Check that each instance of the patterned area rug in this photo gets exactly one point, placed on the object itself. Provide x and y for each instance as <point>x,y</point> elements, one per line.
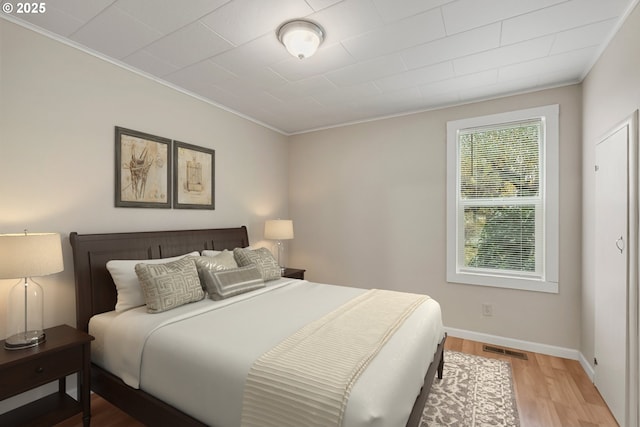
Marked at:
<point>474,392</point>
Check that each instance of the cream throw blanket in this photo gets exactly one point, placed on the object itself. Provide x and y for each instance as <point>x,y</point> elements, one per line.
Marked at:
<point>306,379</point>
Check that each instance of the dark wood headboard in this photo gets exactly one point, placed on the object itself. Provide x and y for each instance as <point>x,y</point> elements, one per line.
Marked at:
<point>95,290</point>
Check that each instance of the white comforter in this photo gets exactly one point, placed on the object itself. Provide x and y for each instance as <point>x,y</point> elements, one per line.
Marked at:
<point>197,357</point>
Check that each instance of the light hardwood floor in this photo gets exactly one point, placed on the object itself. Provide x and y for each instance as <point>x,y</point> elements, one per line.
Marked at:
<point>550,392</point>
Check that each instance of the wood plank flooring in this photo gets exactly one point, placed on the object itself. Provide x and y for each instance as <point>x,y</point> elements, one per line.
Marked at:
<point>550,392</point>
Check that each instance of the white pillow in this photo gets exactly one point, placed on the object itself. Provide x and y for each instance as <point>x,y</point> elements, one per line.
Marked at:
<point>123,273</point>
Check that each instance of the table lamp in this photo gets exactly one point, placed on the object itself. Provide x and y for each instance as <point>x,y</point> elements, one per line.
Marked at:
<point>23,256</point>
<point>279,230</point>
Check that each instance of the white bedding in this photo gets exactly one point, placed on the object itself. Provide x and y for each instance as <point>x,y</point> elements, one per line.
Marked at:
<point>222,339</point>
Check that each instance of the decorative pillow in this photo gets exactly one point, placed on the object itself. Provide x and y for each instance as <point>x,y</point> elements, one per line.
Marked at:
<point>262,258</point>
<point>170,285</point>
<point>226,283</point>
<point>223,261</point>
<point>124,276</point>
<point>208,252</point>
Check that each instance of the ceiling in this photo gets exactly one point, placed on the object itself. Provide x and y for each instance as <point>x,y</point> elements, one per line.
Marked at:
<point>380,57</point>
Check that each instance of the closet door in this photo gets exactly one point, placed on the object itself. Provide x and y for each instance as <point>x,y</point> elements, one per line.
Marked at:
<point>612,270</point>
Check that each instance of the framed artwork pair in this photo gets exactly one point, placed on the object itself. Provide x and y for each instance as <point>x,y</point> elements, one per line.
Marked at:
<point>156,172</point>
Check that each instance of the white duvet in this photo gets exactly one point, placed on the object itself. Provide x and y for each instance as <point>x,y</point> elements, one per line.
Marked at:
<point>196,357</point>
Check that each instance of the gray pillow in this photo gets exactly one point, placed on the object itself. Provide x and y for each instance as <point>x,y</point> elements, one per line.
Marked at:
<point>222,261</point>
<point>223,284</point>
<point>170,285</point>
<point>261,258</point>
<point>126,280</point>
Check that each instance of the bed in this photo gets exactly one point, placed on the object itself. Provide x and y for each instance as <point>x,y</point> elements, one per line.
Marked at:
<point>96,299</point>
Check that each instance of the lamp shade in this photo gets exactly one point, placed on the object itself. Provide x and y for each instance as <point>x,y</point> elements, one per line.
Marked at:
<point>301,38</point>
<point>278,229</point>
<point>30,255</point>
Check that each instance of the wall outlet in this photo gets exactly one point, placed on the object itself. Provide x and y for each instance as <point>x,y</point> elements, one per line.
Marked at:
<point>487,310</point>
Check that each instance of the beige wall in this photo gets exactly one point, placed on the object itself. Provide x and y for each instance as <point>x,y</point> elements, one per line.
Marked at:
<point>368,204</point>
<point>58,109</point>
<point>611,94</point>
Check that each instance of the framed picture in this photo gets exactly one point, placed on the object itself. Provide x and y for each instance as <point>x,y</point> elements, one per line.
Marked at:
<point>143,164</point>
<point>193,176</point>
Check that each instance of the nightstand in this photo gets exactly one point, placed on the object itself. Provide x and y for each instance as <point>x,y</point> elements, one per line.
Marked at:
<point>293,273</point>
<point>65,351</point>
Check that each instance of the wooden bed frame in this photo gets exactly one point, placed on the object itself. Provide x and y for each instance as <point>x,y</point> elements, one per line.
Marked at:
<point>96,293</point>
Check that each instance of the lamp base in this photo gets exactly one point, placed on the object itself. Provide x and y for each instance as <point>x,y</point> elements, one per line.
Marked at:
<point>24,340</point>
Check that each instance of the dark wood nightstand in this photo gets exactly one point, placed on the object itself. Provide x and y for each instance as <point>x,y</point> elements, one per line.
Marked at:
<point>293,273</point>
<point>65,351</point>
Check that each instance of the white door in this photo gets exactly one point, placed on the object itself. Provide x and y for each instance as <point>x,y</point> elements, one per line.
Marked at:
<point>611,271</point>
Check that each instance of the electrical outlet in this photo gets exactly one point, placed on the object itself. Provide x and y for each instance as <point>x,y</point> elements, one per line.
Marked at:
<point>487,310</point>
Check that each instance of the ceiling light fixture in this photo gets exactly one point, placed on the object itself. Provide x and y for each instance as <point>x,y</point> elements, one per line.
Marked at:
<point>301,38</point>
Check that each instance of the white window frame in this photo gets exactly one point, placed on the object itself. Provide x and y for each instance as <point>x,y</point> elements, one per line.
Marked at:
<point>549,186</point>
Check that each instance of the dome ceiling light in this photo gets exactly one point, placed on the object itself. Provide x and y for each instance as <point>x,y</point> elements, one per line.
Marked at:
<point>301,38</point>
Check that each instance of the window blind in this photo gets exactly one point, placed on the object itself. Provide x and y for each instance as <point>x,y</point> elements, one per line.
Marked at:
<point>500,197</point>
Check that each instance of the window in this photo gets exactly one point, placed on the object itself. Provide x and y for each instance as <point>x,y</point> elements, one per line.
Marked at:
<point>502,200</point>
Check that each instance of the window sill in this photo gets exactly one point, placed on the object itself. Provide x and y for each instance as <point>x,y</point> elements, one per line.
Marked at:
<point>533,285</point>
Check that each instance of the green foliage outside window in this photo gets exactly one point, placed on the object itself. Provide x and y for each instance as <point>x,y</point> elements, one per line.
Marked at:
<point>506,239</point>
<point>500,184</point>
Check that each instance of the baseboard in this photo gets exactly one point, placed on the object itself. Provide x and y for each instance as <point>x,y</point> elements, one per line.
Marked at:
<point>550,350</point>
<point>588,369</point>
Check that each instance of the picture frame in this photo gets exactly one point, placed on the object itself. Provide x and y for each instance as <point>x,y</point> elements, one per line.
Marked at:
<point>143,170</point>
<point>193,176</point>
